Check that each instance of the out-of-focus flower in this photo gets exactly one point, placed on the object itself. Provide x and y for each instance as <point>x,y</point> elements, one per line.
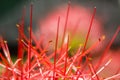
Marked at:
<point>78,23</point>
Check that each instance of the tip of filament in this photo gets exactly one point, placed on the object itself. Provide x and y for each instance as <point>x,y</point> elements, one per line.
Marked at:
<point>17,25</point>
<point>22,40</point>
<point>69,2</point>
<point>5,41</point>
<point>103,37</point>
<point>29,28</point>
<point>95,7</point>
<point>110,59</point>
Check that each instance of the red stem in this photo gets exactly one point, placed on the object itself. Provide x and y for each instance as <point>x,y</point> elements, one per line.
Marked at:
<point>56,47</point>
<point>90,26</point>
<point>66,21</point>
<point>30,41</point>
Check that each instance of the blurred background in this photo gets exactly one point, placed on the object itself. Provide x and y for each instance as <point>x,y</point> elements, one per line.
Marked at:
<point>11,13</point>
